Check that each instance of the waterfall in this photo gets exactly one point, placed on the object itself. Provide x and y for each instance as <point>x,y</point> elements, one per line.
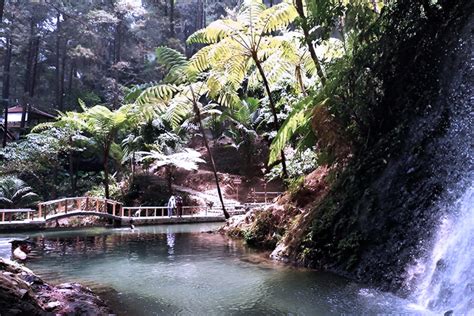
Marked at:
<point>447,283</point>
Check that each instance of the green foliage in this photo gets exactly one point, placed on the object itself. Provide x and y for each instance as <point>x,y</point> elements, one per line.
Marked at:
<point>300,164</point>
<point>188,159</point>
<point>263,233</point>
<point>298,120</point>
<point>115,192</point>
<point>14,193</point>
<point>235,41</point>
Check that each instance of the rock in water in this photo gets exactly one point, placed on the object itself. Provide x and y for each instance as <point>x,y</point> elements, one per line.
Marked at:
<point>24,293</point>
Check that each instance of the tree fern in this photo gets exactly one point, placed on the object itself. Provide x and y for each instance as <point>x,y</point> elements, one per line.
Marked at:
<point>156,95</point>
<point>300,116</point>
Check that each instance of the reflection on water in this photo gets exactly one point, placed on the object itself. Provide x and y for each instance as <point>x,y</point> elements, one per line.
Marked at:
<point>182,269</point>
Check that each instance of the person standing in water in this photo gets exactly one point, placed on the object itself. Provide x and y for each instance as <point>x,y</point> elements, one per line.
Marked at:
<point>171,205</point>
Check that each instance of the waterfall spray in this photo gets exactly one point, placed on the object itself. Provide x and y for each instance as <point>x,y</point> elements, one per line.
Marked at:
<point>448,280</point>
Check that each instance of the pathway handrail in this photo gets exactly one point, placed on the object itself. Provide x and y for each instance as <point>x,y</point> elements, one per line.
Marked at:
<point>16,210</point>
<point>11,212</point>
<point>92,204</point>
<point>136,211</point>
<point>61,200</point>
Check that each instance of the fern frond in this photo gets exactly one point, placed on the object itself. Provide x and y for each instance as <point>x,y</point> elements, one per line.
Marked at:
<point>169,57</point>
<point>158,95</point>
<point>178,109</point>
<point>200,61</point>
<point>250,11</point>
<point>215,32</point>
<point>277,17</point>
<point>299,116</point>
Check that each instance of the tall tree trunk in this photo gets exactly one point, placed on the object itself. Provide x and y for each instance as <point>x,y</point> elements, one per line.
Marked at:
<point>31,84</point>
<point>24,110</point>
<point>57,61</point>
<point>34,68</point>
<point>299,78</point>
<point>29,57</point>
<point>169,179</point>
<point>54,187</point>
<point>272,107</point>
<point>199,16</point>
<point>6,86</point>
<point>132,166</point>
<point>304,25</point>
<point>70,77</point>
<point>197,112</point>
<point>118,39</point>
<point>2,6</point>
<point>72,175</point>
<point>29,69</point>
<point>204,16</point>
<point>106,171</point>
<point>61,80</point>
<point>171,18</point>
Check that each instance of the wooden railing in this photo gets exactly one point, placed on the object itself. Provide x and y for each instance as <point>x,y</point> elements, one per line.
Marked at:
<point>262,197</point>
<point>99,205</point>
<point>157,211</point>
<point>81,204</point>
<point>12,215</point>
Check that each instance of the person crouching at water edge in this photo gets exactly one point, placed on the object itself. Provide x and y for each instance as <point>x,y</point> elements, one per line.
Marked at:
<point>171,205</point>
<point>20,249</point>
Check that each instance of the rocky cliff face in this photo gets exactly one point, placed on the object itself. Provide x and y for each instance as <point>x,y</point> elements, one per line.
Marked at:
<point>370,217</point>
<point>382,212</point>
<point>24,293</point>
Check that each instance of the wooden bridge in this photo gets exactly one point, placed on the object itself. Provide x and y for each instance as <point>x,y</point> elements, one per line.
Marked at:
<point>106,208</point>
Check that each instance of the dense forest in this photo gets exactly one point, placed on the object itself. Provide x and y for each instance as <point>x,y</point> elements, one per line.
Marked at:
<point>343,105</point>
<point>158,71</point>
<point>58,51</point>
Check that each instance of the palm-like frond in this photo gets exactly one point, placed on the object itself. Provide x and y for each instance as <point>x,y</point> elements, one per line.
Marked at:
<point>277,17</point>
<point>20,193</point>
<point>5,202</point>
<point>28,200</point>
<point>250,11</point>
<point>15,194</point>
<point>156,95</point>
<point>176,65</point>
<point>299,116</point>
<point>9,185</point>
<point>178,109</point>
<point>188,159</point>
<point>200,61</point>
<point>215,32</point>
